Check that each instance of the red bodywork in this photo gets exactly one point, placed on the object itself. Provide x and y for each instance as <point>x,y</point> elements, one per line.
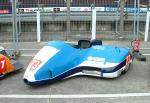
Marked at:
<point>5,65</point>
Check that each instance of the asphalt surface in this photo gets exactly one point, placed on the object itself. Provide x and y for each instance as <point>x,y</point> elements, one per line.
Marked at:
<point>136,80</point>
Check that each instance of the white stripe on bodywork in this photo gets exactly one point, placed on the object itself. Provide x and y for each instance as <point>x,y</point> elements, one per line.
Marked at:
<point>43,55</point>
<point>98,64</point>
<point>98,73</point>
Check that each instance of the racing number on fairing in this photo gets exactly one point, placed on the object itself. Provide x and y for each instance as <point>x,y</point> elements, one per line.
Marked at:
<point>35,64</point>
<point>2,65</point>
<point>128,59</point>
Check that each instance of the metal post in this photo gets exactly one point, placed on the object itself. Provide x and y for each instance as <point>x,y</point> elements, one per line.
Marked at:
<point>19,24</point>
<point>38,5</point>
<point>14,20</point>
<point>148,5</point>
<point>134,32</point>
<point>121,15</point>
<point>138,13</point>
<point>117,14</point>
<point>94,2</point>
<point>68,18</point>
<point>93,36</point>
<point>38,27</point>
<point>19,19</point>
<point>117,21</point>
<point>147,26</point>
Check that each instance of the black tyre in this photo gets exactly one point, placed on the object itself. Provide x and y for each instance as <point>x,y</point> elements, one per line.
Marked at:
<point>123,72</point>
<point>2,76</point>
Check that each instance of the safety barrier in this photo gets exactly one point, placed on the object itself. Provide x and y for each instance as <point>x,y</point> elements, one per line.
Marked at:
<point>53,20</point>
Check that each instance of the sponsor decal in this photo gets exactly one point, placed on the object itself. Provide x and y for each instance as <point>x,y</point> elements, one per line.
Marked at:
<point>98,47</point>
<point>126,9</point>
<point>4,11</point>
<point>83,9</point>
<point>96,59</point>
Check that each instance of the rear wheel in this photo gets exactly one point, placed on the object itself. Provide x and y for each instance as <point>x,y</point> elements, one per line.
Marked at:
<point>127,68</point>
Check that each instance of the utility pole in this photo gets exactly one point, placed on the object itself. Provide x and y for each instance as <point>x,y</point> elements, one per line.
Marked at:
<point>121,27</point>
<point>68,18</point>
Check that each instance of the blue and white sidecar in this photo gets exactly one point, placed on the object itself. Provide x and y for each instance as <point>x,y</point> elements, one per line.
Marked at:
<point>58,60</point>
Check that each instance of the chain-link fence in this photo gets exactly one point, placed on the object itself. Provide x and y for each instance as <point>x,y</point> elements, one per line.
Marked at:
<point>112,23</point>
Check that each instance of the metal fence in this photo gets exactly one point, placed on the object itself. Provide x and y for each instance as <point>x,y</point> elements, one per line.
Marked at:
<point>54,19</point>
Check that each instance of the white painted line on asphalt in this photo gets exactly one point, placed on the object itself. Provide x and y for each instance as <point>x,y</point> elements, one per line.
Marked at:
<point>146,54</point>
<point>144,48</point>
<point>27,55</point>
<point>25,96</point>
<point>23,49</point>
<point>76,96</point>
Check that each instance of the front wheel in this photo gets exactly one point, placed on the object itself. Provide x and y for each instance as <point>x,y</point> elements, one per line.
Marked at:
<point>2,76</point>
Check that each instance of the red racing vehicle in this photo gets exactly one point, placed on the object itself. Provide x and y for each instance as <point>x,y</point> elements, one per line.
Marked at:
<point>8,65</point>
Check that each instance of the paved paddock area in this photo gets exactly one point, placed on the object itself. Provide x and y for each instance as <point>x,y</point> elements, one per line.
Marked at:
<point>132,87</point>
<point>81,89</point>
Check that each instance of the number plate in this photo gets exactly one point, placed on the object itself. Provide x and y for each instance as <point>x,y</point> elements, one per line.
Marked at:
<point>35,64</point>
<point>2,65</point>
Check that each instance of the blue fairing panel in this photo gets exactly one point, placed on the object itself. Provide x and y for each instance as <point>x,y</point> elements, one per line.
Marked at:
<point>110,53</point>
